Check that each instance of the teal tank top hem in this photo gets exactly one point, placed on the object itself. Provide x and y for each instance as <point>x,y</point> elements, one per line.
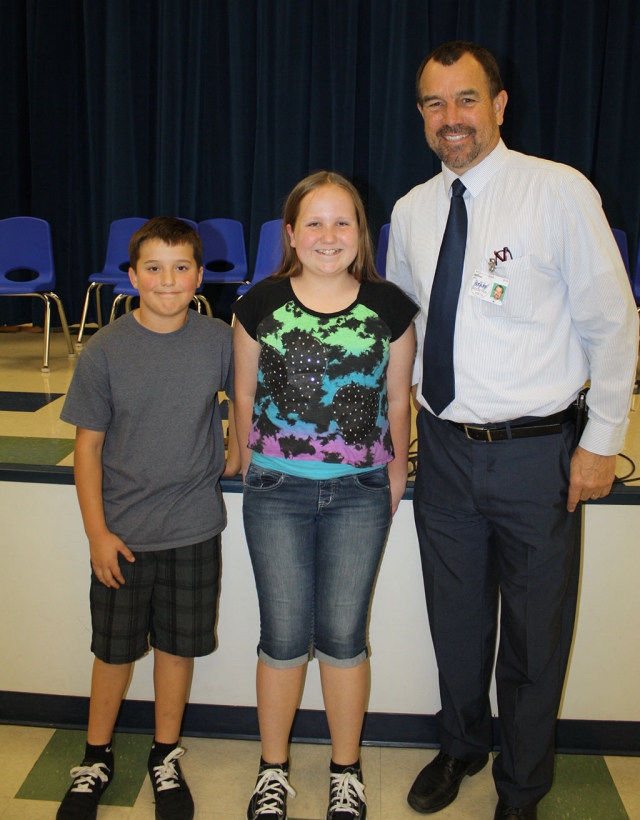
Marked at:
<point>315,470</point>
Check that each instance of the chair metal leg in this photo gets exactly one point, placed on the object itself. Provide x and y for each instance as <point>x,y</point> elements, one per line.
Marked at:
<point>233,314</point>
<point>202,300</point>
<point>47,332</point>
<point>115,306</point>
<point>46,348</point>
<point>85,310</point>
<point>63,322</point>
<point>99,306</point>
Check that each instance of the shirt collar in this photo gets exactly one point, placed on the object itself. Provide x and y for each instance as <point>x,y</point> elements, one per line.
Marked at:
<point>477,177</point>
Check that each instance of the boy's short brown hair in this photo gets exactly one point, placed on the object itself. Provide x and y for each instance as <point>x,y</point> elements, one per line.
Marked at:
<point>171,231</point>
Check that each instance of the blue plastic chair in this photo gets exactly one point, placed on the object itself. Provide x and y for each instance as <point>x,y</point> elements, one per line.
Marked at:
<point>381,255</point>
<point>224,256</point>
<point>125,290</point>
<point>25,244</point>
<point>116,266</point>
<point>623,245</point>
<point>269,256</point>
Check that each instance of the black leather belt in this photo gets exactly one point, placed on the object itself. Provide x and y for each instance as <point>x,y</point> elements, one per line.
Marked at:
<point>526,427</point>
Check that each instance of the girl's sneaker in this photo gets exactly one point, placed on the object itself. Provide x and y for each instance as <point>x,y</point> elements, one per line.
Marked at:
<point>269,798</point>
<point>346,795</point>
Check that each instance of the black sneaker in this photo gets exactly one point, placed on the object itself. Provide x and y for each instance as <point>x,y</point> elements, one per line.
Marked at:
<point>81,800</point>
<point>269,798</point>
<point>172,795</point>
<point>346,796</point>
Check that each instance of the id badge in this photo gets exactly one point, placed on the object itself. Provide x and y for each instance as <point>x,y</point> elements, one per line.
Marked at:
<point>488,287</point>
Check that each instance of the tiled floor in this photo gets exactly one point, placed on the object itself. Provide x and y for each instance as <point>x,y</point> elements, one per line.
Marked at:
<point>32,434</point>
<point>34,765</point>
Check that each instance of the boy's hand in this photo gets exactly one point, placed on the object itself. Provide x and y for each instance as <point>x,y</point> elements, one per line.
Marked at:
<point>104,559</point>
<point>233,462</point>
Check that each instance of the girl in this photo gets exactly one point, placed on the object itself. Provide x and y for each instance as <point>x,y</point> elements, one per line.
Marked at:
<point>323,355</point>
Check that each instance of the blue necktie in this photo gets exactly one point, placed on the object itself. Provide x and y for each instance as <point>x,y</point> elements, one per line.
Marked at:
<point>438,379</point>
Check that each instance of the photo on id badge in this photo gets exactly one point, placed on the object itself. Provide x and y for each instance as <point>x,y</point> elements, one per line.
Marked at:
<point>498,293</point>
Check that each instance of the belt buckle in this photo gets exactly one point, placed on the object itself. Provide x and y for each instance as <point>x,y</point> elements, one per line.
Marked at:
<point>468,427</point>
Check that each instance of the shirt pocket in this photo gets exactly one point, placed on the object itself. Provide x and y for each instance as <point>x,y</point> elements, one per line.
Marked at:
<point>518,298</point>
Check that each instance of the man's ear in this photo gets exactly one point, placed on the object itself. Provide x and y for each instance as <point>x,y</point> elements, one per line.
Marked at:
<point>499,104</point>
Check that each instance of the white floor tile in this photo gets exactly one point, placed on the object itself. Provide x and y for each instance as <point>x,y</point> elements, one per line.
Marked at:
<point>21,360</point>
<point>625,772</point>
<point>20,747</point>
<point>476,801</point>
<point>30,810</point>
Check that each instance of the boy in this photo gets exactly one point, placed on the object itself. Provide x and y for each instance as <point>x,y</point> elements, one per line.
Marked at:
<point>149,452</point>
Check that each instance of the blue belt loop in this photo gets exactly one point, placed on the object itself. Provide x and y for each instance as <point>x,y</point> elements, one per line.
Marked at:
<point>507,427</point>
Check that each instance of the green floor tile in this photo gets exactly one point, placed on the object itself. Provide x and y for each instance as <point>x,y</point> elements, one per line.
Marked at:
<point>28,450</point>
<point>582,790</point>
<point>49,779</point>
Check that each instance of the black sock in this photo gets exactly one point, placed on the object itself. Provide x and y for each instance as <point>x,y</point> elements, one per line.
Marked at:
<point>284,766</point>
<point>160,750</point>
<point>336,768</point>
<point>99,754</point>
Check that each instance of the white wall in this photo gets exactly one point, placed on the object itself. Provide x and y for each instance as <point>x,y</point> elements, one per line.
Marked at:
<point>46,630</point>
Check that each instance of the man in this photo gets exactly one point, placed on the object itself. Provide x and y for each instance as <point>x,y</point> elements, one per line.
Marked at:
<point>500,477</point>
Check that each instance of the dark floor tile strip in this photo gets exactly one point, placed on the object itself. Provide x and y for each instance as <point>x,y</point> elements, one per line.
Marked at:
<point>14,401</point>
<point>49,778</point>
<point>583,789</point>
<point>33,450</point>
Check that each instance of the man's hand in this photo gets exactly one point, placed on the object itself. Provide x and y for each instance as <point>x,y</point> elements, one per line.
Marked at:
<point>104,558</point>
<point>591,476</point>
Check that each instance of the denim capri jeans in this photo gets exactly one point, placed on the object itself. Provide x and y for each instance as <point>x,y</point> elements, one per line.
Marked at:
<point>315,547</point>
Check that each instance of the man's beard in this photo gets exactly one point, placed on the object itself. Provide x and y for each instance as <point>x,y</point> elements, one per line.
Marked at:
<point>447,152</point>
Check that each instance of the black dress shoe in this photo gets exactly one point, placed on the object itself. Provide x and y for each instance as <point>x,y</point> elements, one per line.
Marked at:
<point>504,812</point>
<point>438,783</point>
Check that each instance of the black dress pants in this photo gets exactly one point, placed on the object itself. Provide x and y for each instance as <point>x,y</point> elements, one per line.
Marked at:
<point>493,527</point>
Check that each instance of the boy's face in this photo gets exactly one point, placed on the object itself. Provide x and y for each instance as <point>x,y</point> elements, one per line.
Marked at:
<point>166,277</point>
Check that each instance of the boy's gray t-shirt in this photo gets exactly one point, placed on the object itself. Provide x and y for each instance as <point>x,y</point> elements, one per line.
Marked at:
<point>155,395</point>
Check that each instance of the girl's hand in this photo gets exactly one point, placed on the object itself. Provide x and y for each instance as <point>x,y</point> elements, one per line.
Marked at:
<point>397,483</point>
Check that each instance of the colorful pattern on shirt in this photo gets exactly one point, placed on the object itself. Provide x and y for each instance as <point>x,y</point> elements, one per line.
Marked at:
<point>321,392</point>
